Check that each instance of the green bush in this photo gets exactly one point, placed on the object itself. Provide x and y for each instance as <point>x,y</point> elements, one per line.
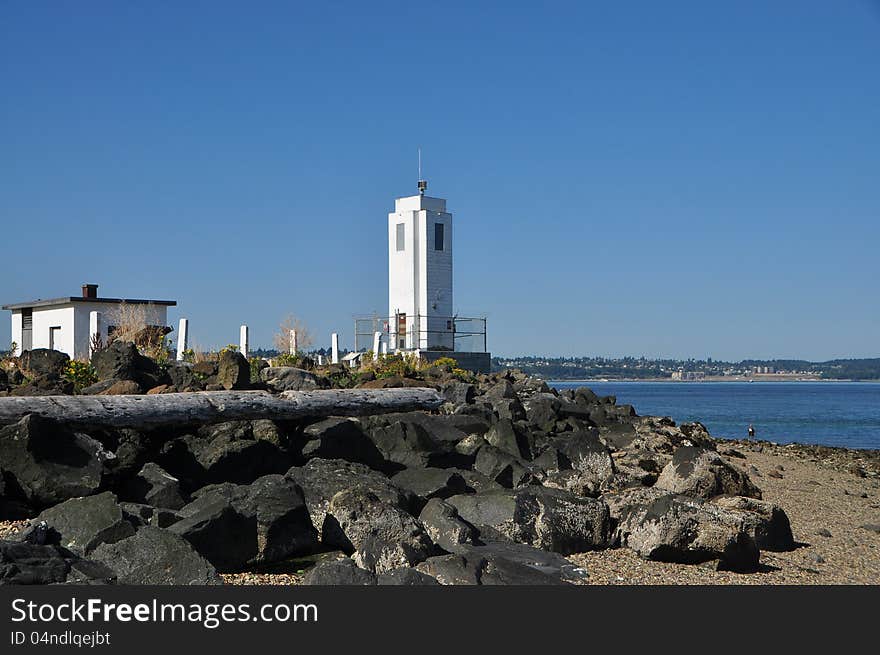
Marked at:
<point>287,359</point>
<point>81,374</point>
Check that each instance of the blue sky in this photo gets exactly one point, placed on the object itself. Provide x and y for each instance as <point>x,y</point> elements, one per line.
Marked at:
<point>660,179</point>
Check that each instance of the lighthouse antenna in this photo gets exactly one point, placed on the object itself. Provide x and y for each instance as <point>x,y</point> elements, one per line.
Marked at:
<point>423,184</point>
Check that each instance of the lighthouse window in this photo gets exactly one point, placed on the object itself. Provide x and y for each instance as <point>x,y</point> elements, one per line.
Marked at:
<point>438,236</point>
<point>400,237</point>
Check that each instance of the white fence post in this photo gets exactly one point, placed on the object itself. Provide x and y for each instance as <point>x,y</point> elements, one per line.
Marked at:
<point>243,341</point>
<point>334,348</point>
<point>377,339</point>
<point>293,342</point>
<point>182,338</point>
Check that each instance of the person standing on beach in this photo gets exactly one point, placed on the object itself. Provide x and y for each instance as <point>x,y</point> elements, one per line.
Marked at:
<point>751,431</point>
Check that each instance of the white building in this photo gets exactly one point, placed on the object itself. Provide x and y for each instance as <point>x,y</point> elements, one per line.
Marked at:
<point>67,324</point>
<point>420,274</point>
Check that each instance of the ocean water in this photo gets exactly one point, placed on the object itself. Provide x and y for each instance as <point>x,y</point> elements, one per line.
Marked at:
<point>827,413</point>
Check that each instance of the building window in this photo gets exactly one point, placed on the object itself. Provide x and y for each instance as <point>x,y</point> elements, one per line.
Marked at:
<point>400,237</point>
<point>438,236</point>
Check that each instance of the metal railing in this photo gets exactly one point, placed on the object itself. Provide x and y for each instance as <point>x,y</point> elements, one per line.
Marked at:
<point>420,332</point>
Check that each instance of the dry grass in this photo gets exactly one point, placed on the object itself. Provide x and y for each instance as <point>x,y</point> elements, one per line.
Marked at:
<point>128,321</point>
<point>281,339</point>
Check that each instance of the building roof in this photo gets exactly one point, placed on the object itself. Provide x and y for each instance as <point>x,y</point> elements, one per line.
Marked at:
<point>70,299</point>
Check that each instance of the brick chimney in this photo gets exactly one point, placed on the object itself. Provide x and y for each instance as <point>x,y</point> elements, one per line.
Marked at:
<point>90,290</point>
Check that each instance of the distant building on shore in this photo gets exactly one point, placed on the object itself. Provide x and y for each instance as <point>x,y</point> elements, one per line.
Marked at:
<point>688,376</point>
<point>67,324</point>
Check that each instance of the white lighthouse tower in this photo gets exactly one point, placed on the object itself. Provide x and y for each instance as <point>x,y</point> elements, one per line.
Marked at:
<point>420,274</point>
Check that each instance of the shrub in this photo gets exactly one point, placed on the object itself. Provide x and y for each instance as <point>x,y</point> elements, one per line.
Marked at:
<point>463,375</point>
<point>229,348</point>
<point>446,363</point>
<point>255,369</point>
<point>286,359</point>
<point>81,374</point>
<point>391,365</point>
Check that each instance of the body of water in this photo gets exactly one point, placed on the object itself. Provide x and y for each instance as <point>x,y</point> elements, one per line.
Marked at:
<point>828,413</point>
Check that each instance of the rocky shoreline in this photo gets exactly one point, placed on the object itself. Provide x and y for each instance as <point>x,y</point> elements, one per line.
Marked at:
<point>510,482</point>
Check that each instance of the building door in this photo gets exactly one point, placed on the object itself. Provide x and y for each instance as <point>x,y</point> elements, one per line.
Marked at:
<point>27,329</point>
<point>54,337</point>
<point>401,331</point>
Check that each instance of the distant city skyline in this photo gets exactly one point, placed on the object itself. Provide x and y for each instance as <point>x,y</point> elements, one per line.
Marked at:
<point>669,180</point>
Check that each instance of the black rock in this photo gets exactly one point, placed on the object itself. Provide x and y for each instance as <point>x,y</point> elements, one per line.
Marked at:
<point>445,527</point>
<point>221,533</point>
<point>674,528</point>
<point>380,535</point>
<point>321,479</point>
<point>406,444</point>
<point>288,378</point>
<point>766,522</point>
<point>458,393</point>
<point>703,473</point>
<point>225,452</point>
<point>154,486</point>
<point>153,556</point>
<point>122,361</point>
<point>82,524</point>
<point>542,410</point>
<point>140,515</point>
<point>512,438</point>
<point>502,467</point>
<point>550,519</point>
<point>341,438</point>
<point>233,370</point>
<point>431,482</point>
<point>483,569</point>
<point>47,463</point>
<point>342,572</point>
<point>183,377</point>
<point>274,512</point>
<point>552,564</point>
<point>23,563</point>
<point>43,363</point>
<point>405,577</point>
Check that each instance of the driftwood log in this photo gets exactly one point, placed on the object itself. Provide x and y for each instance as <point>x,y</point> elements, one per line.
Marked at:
<point>215,406</point>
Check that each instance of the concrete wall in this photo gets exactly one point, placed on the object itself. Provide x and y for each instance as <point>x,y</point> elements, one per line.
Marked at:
<point>61,316</point>
<point>476,362</point>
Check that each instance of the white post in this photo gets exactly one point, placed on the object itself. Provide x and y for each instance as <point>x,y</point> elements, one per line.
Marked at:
<point>182,338</point>
<point>377,339</point>
<point>320,360</point>
<point>334,348</point>
<point>243,341</point>
<point>97,331</point>
<point>293,342</point>
<point>384,347</point>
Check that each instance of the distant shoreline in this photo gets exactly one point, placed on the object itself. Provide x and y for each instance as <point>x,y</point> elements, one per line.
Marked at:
<point>708,379</point>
